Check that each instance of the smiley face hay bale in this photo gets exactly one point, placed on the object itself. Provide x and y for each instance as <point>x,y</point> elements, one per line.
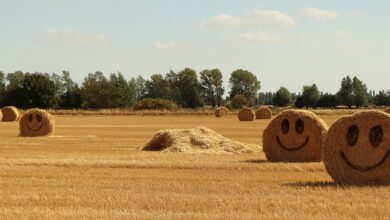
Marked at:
<point>264,112</point>
<point>221,112</point>
<point>357,149</point>
<point>36,122</point>
<point>10,113</point>
<point>246,114</point>
<point>295,136</point>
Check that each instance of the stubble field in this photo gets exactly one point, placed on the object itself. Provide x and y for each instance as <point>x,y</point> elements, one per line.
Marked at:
<point>90,168</point>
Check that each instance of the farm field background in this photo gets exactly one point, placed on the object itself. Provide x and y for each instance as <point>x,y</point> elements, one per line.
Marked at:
<point>90,168</point>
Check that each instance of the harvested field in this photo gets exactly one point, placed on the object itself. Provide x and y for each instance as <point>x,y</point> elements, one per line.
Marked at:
<point>91,168</point>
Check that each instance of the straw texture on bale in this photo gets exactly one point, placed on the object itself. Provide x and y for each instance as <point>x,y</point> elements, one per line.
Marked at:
<point>200,140</point>
<point>10,113</point>
<point>295,136</point>
<point>357,149</point>
<point>36,122</point>
<point>246,114</point>
<point>264,113</point>
<point>387,110</point>
<point>221,112</point>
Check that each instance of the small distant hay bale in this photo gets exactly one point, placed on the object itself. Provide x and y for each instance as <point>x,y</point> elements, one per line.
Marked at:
<point>36,122</point>
<point>357,149</point>
<point>10,113</point>
<point>221,112</point>
<point>295,136</point>
<point>264,112</point>
<point>246,114</point>
<point>387,110</point>
<point>200,140</point>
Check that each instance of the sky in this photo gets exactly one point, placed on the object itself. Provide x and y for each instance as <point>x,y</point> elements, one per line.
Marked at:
<point>284,43</point>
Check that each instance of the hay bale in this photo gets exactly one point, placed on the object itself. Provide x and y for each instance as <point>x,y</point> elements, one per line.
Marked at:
<point>36,122</point>
<point>246,114</point>
<point>387,110</point>
<point>10,113</point>
<point>200,140</point>
<point>264,112</point>
<point>221,112</point>
<point>295,136</point>
<point>357,149</point>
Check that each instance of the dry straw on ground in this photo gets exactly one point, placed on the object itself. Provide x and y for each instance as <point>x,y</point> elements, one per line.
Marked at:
<point>200,140</point>
<point>10,113</point>
<point>295,136</point>
<point>246,114</point>
<point>36,122</point>
<point>264,112</point>
<point>221,112</point>
<point>357,149</point>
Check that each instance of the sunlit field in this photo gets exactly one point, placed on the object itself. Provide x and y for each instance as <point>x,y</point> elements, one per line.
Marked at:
<point>91,168</point>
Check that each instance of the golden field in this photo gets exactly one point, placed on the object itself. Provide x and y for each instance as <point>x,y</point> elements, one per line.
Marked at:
<point>91,169</point>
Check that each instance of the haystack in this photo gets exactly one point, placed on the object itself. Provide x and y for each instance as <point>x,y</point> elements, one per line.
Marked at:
<point>295,136</point>
<point>10,113</point>
<point>221,112</point>
<point>246,114</point>
<point>387,110</point>
<point>200,140</point>
<point>357,149</point>
<point>264,112</point>
<point>36,122</point>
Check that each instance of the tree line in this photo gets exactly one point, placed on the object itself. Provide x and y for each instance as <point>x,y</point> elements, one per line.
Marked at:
<point>186,88</point>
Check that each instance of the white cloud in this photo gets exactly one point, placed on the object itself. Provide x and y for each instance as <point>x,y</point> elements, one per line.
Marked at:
<point>160,45</point>
<point>320,14</point>
<point>258,37</point>
<point>342,32</point>
<point>71,36</point>
<point>256,17</point>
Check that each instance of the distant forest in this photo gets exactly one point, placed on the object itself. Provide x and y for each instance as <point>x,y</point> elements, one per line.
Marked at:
<point>187,89</point>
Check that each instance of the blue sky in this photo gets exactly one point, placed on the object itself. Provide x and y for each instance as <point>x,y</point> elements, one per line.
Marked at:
<point>285,43</point>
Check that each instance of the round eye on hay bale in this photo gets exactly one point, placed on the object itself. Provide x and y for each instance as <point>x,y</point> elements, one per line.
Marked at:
<point>36,122</point>
<point>357,149</point>
<point>295,136</point>
<point>264,113</point>
<point>246,114</point>
<point>10,113</point>
<point>221,112</point>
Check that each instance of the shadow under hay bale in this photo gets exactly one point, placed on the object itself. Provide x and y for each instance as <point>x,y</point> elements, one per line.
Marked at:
<point>246,114</point>
<point>200,140</point>
<point>10,113</point>
<point>264,113</point>
<point>36,122</point>
<point>221,112</point>
<point>357,149</point>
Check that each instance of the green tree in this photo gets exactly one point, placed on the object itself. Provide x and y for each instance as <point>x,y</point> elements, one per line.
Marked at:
<point>120,94</point>
<point>211,86</point>
<point>158,87</point>
<point>239,101</point>
<point>71,97</point>
<point>189,88</point>
<point>327,101</point>
<point>173,81</point>
<point>345,94</point>
<point>3,90</point>
<point>141,91</point>
<point>245,83</point>
<point>282,97</point>
<point>310,95</point>
<point>360,92</point>
<point>95,91</point>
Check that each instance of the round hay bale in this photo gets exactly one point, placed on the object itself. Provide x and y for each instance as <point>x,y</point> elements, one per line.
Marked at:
<point>357,149</point>
<point>295,136</point>
<point>221,112</point>
<point>10,113</point>
<point>246,114</point>
<point>264,113</point>
<point>387,110</point>
<point>36,122</point>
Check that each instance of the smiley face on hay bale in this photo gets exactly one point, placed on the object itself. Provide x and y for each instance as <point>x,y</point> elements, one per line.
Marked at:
<point>295,136</point>
<point>246,114</point>
<point>36,122</point>
<point>221,112</point>
<point>357,149</point>
<point>10,113</point>
<point>264,112</point>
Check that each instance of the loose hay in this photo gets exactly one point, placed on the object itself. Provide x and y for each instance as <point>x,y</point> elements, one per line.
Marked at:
<point>200,140</point>
<point>221,112</point>
<point>246,114</point>
<point>36,122</point>
<point>10,113</point>
<point>264,113</point>
<point>295,136</point>
<point>357,149</point>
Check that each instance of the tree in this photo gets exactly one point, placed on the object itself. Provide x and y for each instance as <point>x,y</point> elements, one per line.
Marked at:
<point>245,83</point>
<point>310,95</point>
<point>299,102</point>
<point>282,97</point>
<point>266,98</point>
<point>345,94</point>
<point>173,81</point>
<point>71,96</point>
<point>157,87</point>
<point>140,88</point>
<point>95,91</point>
<point>119,91</point>
<point>189,88</point>
<point>211,86</point>
<point>239,101</point>
<point>3,90</point>
<point>327,101</point>
<point>360,92</point>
